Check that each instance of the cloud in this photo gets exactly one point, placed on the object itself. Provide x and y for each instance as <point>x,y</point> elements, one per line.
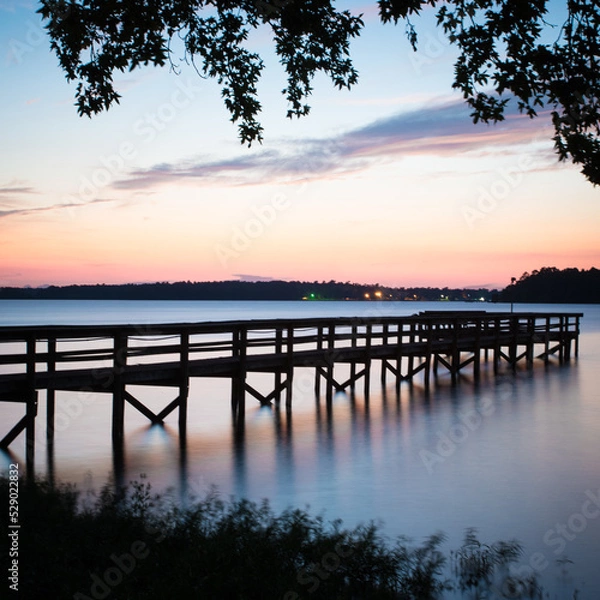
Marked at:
<point>254,278</point>
<point>437,130</point>
<point>15,190</point>
<point>441,129</point>
<point>38,209</point>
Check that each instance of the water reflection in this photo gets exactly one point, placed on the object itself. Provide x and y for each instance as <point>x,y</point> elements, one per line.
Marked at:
<point>512,455</point>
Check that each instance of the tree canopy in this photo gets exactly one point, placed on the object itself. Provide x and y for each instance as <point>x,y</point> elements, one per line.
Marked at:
<point>503,54</point>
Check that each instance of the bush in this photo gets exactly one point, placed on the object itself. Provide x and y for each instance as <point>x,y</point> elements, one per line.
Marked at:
<point>132,545</point>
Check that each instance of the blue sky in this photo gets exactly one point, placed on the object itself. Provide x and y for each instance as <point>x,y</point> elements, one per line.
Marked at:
<point>389,182</point>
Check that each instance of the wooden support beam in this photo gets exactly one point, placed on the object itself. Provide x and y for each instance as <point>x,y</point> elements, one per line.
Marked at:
<point>317,373</point>
<point>341,387</point>
<point>455,352</point>
<point>256,394</point>
<point>561,340</point>
<point>50,393</point>
<point>266,400</point>
<point>428,351</point>
<point>353,342</point>
<point>385,364</point>
<point>329,379</point>
<point>444,363</point>
<point>399,346</point>
<point>119,364</point>
<point>128,397</point>
<point>32,408</point>
<point>353,378</point>
<point>513,343</point>
<point>289,367</point>
<point>240,351</point>
<point>529,353</point>
<point>384,337</point>
<point>32,405</point>
<point>184,381</point>
<point>467,362</point>
<point>367,376</point>
<point>477,350</point>
<point>330,362</point>
<point>496,345</point>
<point>10,437</point>
<point>278,350</point>
<point>411,341</point>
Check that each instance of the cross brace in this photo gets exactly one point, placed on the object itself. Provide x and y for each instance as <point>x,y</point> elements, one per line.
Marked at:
<point>155,418</point>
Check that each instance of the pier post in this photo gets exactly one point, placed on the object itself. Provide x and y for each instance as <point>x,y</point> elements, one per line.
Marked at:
<point>31,407</point>
<point>50,393</point>
<point>434,331</point>
<point>184,382</point>
<point>238,380</point>
<point>561,340</point>
<point>384,361</point>
<point>368,342</point>
<point>497,347</point>
<point>119,363</point>
<point>278,350</point>
<point>568,339</point>
<point>455,352</point>
<point>428,355</point>
<point>530,341</point>
<point>289,367</point>
<point>330,361</point>
<point>353,363</point>
<point>399,357</point>
<point>50,411</point>
<point>317,369</point>
<point>477,350</point>
<point>411,356</point>
<point>513,343</point>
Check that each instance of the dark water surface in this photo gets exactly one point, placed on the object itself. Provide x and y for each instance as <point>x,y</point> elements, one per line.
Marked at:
<point>516,456</point>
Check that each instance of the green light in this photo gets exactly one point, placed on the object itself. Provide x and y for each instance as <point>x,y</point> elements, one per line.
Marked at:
<point>312,295</point>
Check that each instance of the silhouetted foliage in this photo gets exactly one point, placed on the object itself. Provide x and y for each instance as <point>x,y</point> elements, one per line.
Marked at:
<point>133,544</point>
<point>550,284</point>
<point>507,49</point>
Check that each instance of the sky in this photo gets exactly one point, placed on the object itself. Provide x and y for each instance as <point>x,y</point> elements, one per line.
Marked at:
<point>387,183</point>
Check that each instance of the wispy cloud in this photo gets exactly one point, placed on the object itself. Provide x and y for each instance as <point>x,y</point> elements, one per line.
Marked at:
<point>443,129</point>
<point>51,207</point>
<point>254,278</point>
<point>8,192</point>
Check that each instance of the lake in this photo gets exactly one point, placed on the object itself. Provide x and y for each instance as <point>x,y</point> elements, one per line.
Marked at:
<point>515,456</point>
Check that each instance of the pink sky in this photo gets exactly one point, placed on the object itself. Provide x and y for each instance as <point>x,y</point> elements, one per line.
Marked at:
<point>388,183</point>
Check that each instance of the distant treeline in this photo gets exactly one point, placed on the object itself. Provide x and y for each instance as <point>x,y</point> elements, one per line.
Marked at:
<point>550,284</point>
<point>242,290</point>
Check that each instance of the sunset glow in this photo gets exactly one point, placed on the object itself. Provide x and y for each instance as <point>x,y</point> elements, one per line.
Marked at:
<point>388,183</point>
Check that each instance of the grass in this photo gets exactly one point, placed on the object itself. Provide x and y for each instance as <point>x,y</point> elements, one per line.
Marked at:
<point>134,545</point>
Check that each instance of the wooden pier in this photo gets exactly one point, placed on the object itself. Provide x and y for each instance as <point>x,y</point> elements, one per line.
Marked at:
<point>108,359</point>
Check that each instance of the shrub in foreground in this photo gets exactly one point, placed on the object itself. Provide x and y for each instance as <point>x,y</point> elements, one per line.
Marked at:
<point>131,544</point>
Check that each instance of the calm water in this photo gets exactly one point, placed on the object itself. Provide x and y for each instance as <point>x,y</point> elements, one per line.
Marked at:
<point>516,457</point>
